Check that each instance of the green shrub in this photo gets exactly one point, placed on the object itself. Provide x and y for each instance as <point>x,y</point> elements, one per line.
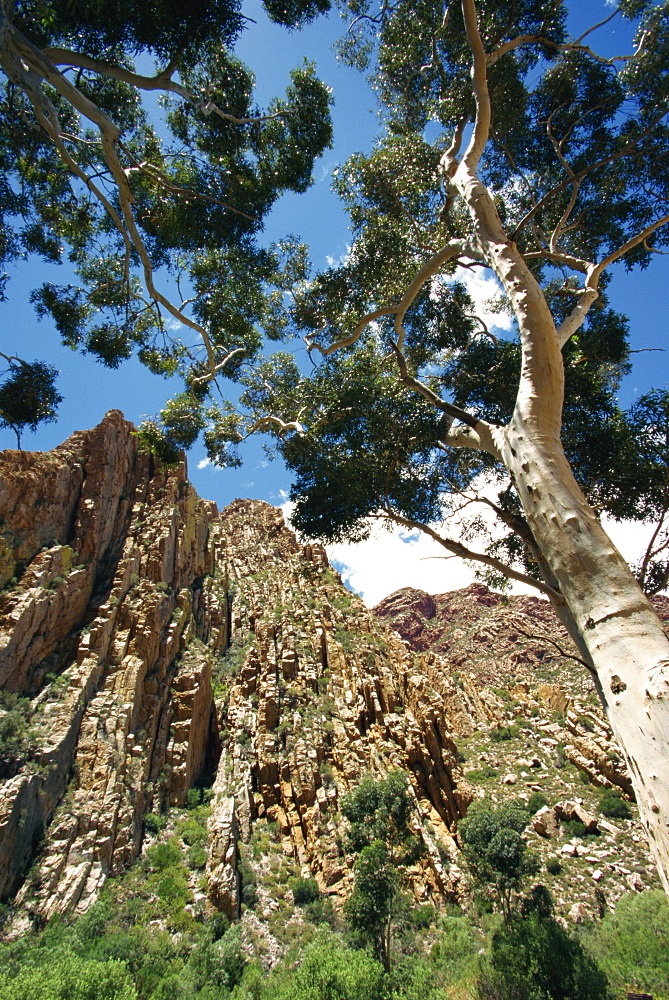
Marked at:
<point>67,977</point>
<point>154,823</point>
<point>450,967</point>
<point>247,878</point>
<point>534,958</point>
<point>164,855</point>
<point>505,733</point>
<point>481,773</point>
<point>197,857</point>
<point>422,916</point>
<point>331,971</point>
<point>632,943</point>
<point>613,806</point>
<point>193,798</point>
<point>553,866</point>
<point>305,890</point>
<point>536,802</point>
<point>16,734</point>
<point>321,911</point>
<point>574,828</point>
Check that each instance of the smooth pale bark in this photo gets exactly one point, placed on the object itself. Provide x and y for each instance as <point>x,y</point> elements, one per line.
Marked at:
<point>606,611</point>
<point>616,623</point>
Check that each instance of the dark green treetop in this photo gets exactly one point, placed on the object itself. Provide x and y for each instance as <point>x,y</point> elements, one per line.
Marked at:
<point>533,955</point>
<point>379,814</point>
<point>381,811</point>
<point>89,177</point>
<point>494,848</point>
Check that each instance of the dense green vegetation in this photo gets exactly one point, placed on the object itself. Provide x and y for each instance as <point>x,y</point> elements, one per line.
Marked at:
<point>151,936</point>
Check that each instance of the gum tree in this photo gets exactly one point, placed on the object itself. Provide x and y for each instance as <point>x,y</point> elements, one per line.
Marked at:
<point>155,218</point>
<point>549,167</point>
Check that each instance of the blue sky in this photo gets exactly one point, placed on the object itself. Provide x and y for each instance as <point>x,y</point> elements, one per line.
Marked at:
<point>317,217</point>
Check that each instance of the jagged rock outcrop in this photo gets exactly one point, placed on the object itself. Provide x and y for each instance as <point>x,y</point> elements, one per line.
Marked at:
<point>99,632</point>
<point>159,642</point>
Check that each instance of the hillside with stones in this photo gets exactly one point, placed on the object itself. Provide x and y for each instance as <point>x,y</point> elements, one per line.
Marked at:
<point>150,644</point>
<point>544,731</point>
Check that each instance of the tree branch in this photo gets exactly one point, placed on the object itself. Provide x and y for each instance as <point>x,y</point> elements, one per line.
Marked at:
<point>521,40</point>
<point>456,248</point>
<point>481,132</point>
<point>458,549</point>
<point>162,81</point>
<point>484,431</point>
<point>590,292</point>
<point>556,645</point>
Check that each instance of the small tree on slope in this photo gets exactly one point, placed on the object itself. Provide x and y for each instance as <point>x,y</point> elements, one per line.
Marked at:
<point>379,832</point>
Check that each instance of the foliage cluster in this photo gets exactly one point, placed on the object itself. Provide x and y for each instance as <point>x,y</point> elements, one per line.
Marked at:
<point>495,850</point>
<point>16,733</point>
<point>145,940</point>
<point>612,804</point>
<point>92,178</point>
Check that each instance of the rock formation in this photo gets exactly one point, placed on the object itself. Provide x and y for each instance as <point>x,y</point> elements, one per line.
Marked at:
<point>149,643</point>
<point>125,598</point>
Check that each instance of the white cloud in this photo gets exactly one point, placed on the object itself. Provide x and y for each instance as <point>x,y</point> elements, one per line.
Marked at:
<point>336,261</point>
<point>174,325</point>
<point>392,559</point>
<point>203,463</point>
<point>484,287</point>
<point>629,537</point>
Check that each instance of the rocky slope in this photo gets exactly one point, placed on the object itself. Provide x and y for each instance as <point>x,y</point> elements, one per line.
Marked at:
<point>544,730</point>
<point>149,643</point>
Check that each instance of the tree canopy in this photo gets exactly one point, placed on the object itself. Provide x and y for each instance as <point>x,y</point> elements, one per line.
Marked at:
<point>495,850</point>
<point>136,206</point>
<point>405,357</point>
<point>379,814</point>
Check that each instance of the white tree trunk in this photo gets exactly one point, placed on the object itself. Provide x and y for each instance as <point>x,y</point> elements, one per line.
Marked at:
<point>617,624</point>
<point>612,618</point>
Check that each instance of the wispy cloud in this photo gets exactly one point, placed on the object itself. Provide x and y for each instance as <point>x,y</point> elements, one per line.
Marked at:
<point>484,290</point>
<point>336,261</point>
<point>204,462</point>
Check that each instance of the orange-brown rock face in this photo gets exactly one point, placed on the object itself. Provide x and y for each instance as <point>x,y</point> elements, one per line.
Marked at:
<point>148,642</point>
<point>112,567</point>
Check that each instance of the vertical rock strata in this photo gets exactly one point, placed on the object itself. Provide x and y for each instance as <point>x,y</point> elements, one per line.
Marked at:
<point>161,643</point>
<point>315,694</point>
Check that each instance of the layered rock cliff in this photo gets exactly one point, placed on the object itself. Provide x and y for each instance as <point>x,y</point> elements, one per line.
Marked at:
<point>126,597</point>
<point>149,643</point>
